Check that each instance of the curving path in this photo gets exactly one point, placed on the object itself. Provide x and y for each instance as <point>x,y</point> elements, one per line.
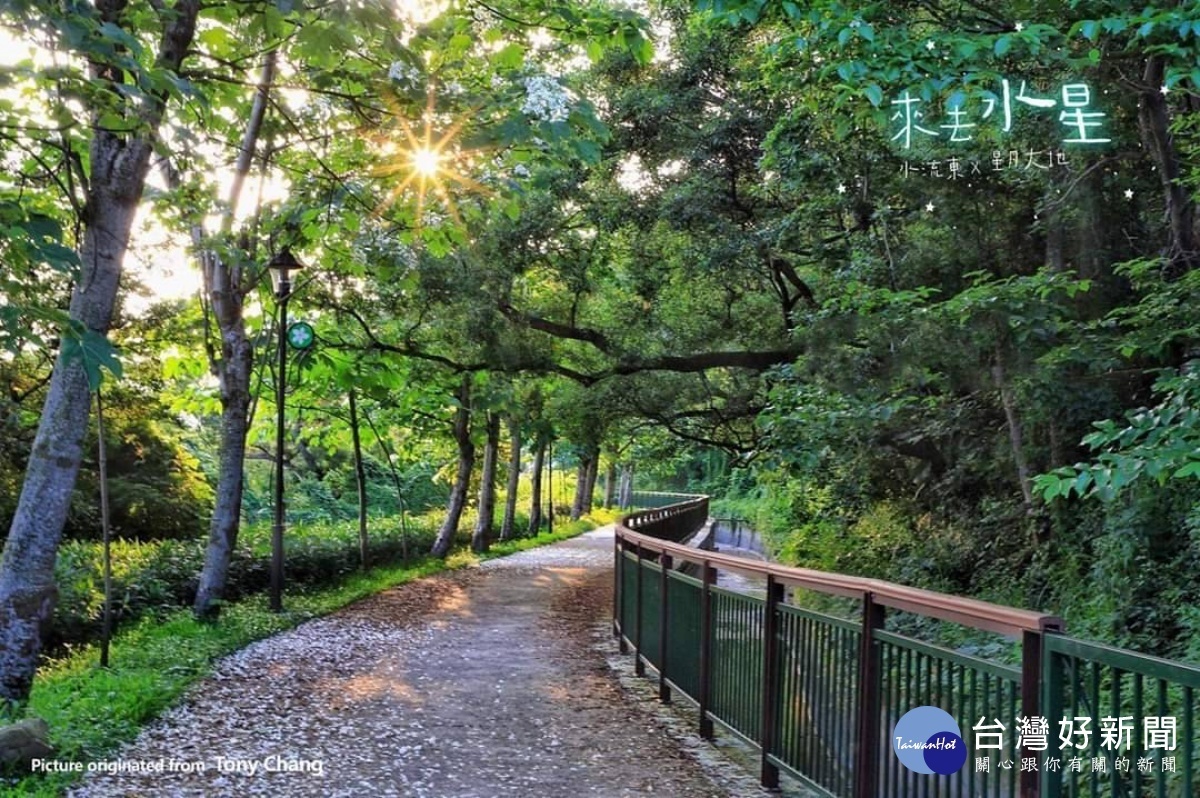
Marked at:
<point>475,684</point>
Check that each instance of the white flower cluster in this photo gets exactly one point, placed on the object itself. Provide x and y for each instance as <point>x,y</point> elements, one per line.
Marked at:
<point>546,100</point>
<point>403,73</point>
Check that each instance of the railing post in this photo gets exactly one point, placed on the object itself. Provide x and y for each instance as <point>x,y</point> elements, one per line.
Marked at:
<point>1052,703</point>
<point>617,565</point>
<point>707,632</point>
<point>867,759</point>
<point>639,667</point>
<point>664,691</point>
<point>770,683</point>
<point>1031,666</point>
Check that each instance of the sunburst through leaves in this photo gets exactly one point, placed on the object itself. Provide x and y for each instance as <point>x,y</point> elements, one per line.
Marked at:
<point>427,162</point>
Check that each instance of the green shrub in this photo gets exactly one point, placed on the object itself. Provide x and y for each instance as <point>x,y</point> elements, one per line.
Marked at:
<point>155,577</point>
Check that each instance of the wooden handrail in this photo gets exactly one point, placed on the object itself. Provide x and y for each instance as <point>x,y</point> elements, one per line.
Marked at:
<point>874,597</point>
<point>943,606</point>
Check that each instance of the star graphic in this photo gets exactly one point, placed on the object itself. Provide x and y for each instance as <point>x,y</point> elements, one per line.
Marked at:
<point>929,45</point>
<point>841,189</point>
<point>1128,193</point>
<point>1020,26</point>
<point>1165,88</point>
<point>929,207</point>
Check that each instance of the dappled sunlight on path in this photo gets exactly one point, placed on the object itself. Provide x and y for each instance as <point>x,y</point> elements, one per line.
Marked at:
<point>479,683</point>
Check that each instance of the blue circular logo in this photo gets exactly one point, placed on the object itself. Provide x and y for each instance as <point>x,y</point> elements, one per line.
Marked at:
<point>927,740</point>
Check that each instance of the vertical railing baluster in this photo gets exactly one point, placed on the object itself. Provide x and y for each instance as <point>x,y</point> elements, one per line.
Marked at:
<point>770,683</point>
<point>1094,700</point>
<point>868,691</point>
<point>1115,712</point>
<point>1011,714</point>
<point>664,690</point>
<point>960,705</point>
<point>706,648</point>
<point>927,700</point>
<point>822,726</point>
<point>1037,671</point>
<point>849,712</point>
<point>617,570</point>
<point>888,700</point>
<point>807,747</point>
<point>639,667</point>
<point>1000,682</point>
<point>912,670</point>
<point>1189,749</point>
<point>1162,712</point>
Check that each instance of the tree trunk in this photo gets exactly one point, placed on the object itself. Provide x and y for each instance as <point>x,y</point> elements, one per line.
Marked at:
<point>481,537</point>
<point>462,481</point>
<point>1155,123</point>
<point>27,589</point>
<point>1015,433</point>
<point>360,476</point>
<point>610,484</point>
<point>551,510</point>
<point>118,177</point>
<point>535,499</point>
<point>223,284</point>
<point>589,493</point>
<point>581,480</point>
<point>235,370</point>
<point>513,483</point>
<point>626,493</point>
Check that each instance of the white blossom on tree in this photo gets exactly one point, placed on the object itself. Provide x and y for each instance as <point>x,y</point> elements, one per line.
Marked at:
<point>546,100</point>
<point>403,73</point>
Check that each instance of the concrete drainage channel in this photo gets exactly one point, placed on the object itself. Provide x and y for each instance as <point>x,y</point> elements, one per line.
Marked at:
<point>726,760</point>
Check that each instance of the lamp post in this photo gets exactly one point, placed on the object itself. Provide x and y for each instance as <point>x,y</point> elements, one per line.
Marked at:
<point>281,266</point>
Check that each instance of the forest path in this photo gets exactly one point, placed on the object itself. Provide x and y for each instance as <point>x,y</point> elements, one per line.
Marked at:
<point>480,683</point>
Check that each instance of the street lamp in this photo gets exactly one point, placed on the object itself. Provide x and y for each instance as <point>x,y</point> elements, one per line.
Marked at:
<point>281,267</point>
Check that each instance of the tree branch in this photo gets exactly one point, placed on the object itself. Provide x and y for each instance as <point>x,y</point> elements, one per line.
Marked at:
<point>593,337</point>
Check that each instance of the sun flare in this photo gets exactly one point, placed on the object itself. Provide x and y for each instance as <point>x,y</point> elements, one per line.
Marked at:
<point>427,161</point>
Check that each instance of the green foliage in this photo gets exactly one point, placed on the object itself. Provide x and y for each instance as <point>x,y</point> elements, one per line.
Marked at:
<point>714,266</point>
<point>155,576</point>
<point>150,578</point>
<point>91,350</point>
<point>1160,443</point>
<point>157,488</point>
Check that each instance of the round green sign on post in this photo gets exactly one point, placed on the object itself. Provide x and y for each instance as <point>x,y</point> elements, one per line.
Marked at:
<point>300,335</point>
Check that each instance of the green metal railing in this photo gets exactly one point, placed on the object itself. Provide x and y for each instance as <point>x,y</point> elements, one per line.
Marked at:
<point>819,695</point>
<point>1135,692</point>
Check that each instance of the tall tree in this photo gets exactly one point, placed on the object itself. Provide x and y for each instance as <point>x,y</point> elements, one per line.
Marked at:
<point>360,479</point>
<point>462,477</point>
<point>126,102</point>
<point>227,283</point>
<point>512,478</point>
<point>484,522</point>
<point>536,476</point>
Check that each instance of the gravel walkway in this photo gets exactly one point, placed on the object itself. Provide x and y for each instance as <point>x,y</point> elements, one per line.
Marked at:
<point>480,683</point>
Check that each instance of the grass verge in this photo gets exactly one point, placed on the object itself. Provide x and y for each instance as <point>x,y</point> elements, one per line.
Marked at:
<point>92,711</point>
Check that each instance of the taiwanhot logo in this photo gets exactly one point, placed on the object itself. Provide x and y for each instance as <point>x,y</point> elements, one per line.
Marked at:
<point>927,740</point>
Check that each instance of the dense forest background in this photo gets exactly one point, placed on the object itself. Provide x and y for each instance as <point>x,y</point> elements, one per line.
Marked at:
<point>909,286</point>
